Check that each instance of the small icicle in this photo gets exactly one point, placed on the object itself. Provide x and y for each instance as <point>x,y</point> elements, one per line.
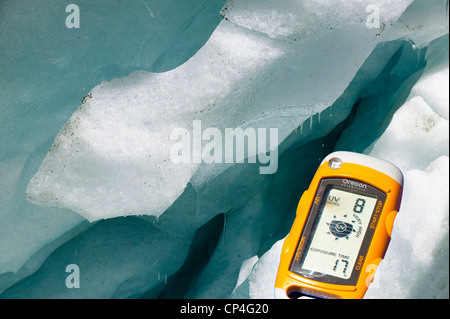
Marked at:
<point>224,237</point>
<point>311,118</point>
<point>199,190</point>
<point>199,196</point>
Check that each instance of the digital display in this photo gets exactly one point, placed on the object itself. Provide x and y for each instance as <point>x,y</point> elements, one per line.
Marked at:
<point>339,233</point>
<point>331,243</point>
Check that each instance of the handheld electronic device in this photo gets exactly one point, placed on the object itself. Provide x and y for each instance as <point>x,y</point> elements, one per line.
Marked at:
<point>342,228</point>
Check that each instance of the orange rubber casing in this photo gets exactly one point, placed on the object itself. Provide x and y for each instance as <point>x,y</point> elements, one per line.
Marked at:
<point>287,281</point>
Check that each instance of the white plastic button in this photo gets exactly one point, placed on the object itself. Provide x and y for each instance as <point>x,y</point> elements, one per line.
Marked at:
<point>335,163</point>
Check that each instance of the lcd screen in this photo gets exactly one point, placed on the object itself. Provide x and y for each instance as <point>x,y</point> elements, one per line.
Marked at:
<point>337,233</point>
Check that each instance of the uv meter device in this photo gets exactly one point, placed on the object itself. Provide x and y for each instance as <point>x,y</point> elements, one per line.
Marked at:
<point>342,228</point>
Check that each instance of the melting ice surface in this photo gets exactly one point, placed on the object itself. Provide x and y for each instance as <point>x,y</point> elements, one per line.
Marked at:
<point>314,70</point>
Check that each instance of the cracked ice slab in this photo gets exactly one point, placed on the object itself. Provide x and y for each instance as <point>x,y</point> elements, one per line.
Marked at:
<point>112,158</point>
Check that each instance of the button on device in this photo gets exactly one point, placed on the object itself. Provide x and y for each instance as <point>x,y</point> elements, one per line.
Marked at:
<point>335,163</point>
<point>390,218</point>
<point>303,198</point>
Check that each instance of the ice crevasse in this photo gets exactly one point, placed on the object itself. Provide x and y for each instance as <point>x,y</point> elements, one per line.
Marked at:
<point>315,71</point>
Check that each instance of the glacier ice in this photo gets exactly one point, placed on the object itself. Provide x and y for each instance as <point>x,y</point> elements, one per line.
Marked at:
<point>46,70</point>
<point>126,126</point>
<point>313,70</point>
<point>112,157</point>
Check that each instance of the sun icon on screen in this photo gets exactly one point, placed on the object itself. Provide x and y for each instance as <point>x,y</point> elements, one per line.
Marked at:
<point>341,228</point>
